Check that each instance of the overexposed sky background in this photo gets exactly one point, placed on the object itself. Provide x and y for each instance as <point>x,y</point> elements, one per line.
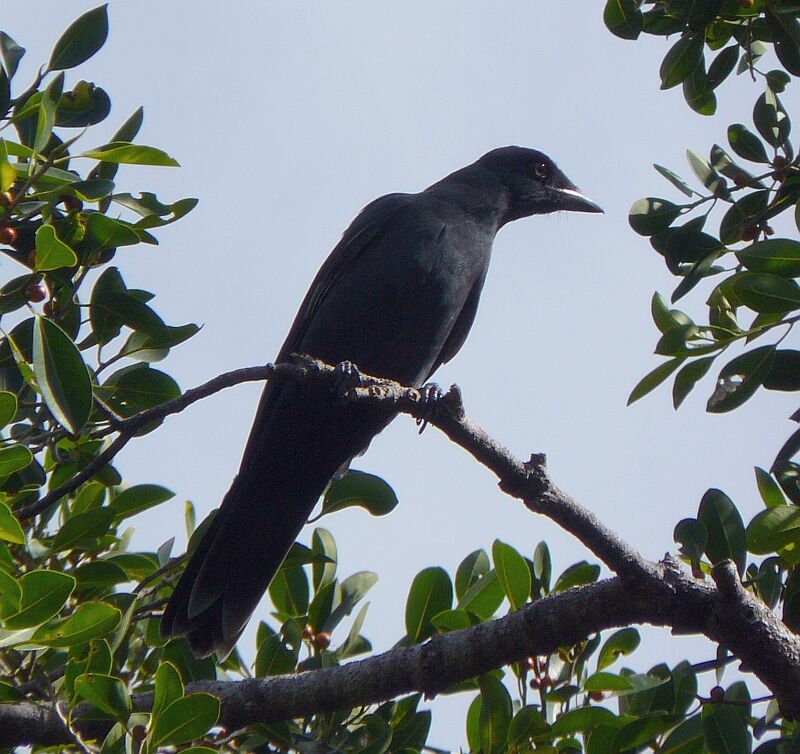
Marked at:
<point>287,118</point>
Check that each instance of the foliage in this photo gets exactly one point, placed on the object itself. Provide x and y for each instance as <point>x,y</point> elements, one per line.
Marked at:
<point>79,611</point>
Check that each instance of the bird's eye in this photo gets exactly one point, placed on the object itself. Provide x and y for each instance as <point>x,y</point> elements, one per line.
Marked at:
<point>540,168</point>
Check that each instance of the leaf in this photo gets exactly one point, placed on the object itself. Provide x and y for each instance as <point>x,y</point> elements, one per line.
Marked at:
<point>653,379</point>
<point>623,18</point>
<point>483,597</point>
<point>185,720</point>
<point>91,620</point>
<point>10,529</point>
<point>82,39</point>
<point>577,574</point>
<point>495,715</point>
<point>103,232</point>
<point>740,378</point>
<point>771,120</point>
<point>475,565</point>
<point>82,529</point>
<point>769,489</point>
<point>724,729</point>
<point>274,657</point>
<point>52,253</point>
<point>431,593</point>
<point>168,688</point>
<point>622,642</point>
<point>131,154</point>
<point>137,388</point>
<point>357,488</point>
<point>353,589</point>
<point>85,105</point>
<point>746,144</point>
<point>61,375</point>
<point>778,256</point>
<point>14,458</point>
<point>289,592</point>
<point>785,373</point>
<point>45,120</point>
<point>602,681</point>
<point>581,719</point>
<point>11,52</point>
<point>43,595</point>
<point>704,171</point>
<point>512,573</point>
<point>324,572</point>
<point>652,215</point>
<point>773,529</point>
<point>681,59</point>
<point>105,692</point>
<point>726,534</point>
<point>675,180</point>
<point>138,498</point>
<point>722,65</point>
<point>766,293</point>
<point>692,537</point>
<point>688,377</point>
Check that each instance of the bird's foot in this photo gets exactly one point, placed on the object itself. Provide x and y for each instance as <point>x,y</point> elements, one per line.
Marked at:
<point>431,394</point>
<point>346,377</point>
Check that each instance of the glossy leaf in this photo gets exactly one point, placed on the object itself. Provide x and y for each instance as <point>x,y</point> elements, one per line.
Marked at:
<point>483,597</point>
<point>771,119</point>
<point>131,154</point>
<point>692,536</point>
<point>11,53</point>
<point>495,715</point>
<point>653,379</point>
<point>623,18</point>
<point>357,488</point>
<point>105,692</point>
<point>773,529</point>
<point>621,642</point>
<point>681,59</point>
<point>675,180</point>
<point>185,720</point>
<point>769,489</point>
<point>62,375</point>
<point>785,372</point>
<point>724,730</point>
<point>746,144</point>
<point>274,657</point>
<point>740,378</point>
<point>43,595</point>
<point>431,593</point>
<point>14,458</point>
<point>512,573</point>
<point>779,256</point>
<point>10,529</point>
<point>577,574</point>
<point>603,681</point>
<point>289,592</point>
<point>82,39</point>
<point>472,568</point>
<point>138,498</point>
<point>726,534</point>
<point>722,65</point>
<point>82,529</point>
<point>52,253</point>
<point>688,377</point>
<point>91,620</point>
<point>652,215</point>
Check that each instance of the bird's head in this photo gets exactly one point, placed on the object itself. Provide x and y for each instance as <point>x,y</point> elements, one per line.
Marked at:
<point>534,183</point>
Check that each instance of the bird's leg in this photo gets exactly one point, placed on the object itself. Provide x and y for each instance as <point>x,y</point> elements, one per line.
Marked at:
<point>431,394</point>
<point>346,377</point>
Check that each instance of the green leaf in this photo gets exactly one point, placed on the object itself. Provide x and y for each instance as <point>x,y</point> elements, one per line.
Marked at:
<point>103,232</point>
<point>688,377</point>
<point>131,154</point>
<point>765,293</point>
<point>82,39</point>
<point>785,373</point>
<point>43,595</point>
<point>722,66</point>
<point>652,215</point>
<point>622,642</point>
<point>357,488</point>
<point>105,323</point>
<point>681,59</point>
<point>137,388</point>
<point>726,535</point>
<point>10,529</point>
<point>698,92</point>
<point>577,574</point>
<point>452,620</point>
<point>675,180</point>
<point>740,378</point>
<point>692,537</point>
<point>623,18</point>
<point>105,692</point>
<point>771,120</point>
<point>45,120</point>
<point>431,593</point>
<point>51,253</point>
<point>773,529</point>
<point>653,379</point>
<point>527,723</point>
<point>352,590</point>
<point>10,594</point>
<point>99,574</point>
<point>138,498</point>
<point>274,657</point>
<point>769,489</point>
<point>779,256</point>
<point>724,729</point>
<point>61,375</point>
<point>91,620</point>
<point>168,688</point>
<point>495,715</point>
<point>748,210</point>
<point>289,592</point>
<point>83,529</point>
<point>475,565</point>
<point>580,720</point>
<point>185,720</point>
<point>746,144</point>
<point>14,458</point>
<point>686,738</point>
<point>512,573</point>
<point>602,681</point>
<point>11,52</point>
<point>705,172</point>
<point>542,569</point>
<point>483,597</point>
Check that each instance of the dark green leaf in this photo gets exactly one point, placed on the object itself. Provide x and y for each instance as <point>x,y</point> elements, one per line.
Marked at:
<point>105,692</point>
<point>675,180</point>
<point>786,30</point>
<point>577,574</point>
<point>452,620</point>
<point>352,590</point>
<point>580,720</point>
<point>705,172</point>
<point>726,534</point>
<point>681,59</point>
<point>289,592</point>
<point>773,529</point>
<point>472,568</point>
<point>740,378</point>
<point>724,729</point>
<point>653,379</point>
<point>688,377</point>
<point>698,92</point>
<point>43,595</point>
<point>512,573</point>
<point>61,375</point>
<point>623,18</point>
<point>431,592</point>
<point>785,373</point>
<point>8,407</point>
<point>105,322</point>
<point>748,210</point>
<point>138,387</point>
<point>779,256</point>
<point>12,53</point>
<point>138,498</point>
<point>692,536</point>
<point>769,489</point>
<point>652,215</point>
<point>771,120</point>
<point>495,715</point>
<point>85,105</point>
<point>52,253</point>
<point>603,681</point>
<point>82,529</point>
<point>274,657</point>
<point>82,39</point>
<point>746,144</point>
<point>168,688</point>
<point>324,572</point>
<point>621,642</point>
<point>483,597</point>
<point>14,458</point>
<point>527,723</point>
<point>357,488</point>
<point>722,65</point>
<point>91,620</point>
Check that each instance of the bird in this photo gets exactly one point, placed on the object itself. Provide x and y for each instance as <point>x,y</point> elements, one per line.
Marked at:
<point>396,297</point>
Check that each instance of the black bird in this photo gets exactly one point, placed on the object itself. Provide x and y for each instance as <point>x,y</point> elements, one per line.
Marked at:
<point>396,297</point>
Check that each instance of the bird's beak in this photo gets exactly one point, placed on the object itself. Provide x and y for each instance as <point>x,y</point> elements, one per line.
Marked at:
<point>573,200</point>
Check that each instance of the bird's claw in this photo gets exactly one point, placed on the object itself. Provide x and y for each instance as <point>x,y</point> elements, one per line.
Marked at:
<point>430,394</point>
<point>346,377</point>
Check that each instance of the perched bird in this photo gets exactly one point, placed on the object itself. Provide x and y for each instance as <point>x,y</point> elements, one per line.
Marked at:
<point>396,297</point>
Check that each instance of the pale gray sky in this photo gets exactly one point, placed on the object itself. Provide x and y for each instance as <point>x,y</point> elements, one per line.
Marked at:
<point>289,117</point>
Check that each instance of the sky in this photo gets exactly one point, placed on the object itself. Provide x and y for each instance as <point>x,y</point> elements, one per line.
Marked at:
<point>287,118</point>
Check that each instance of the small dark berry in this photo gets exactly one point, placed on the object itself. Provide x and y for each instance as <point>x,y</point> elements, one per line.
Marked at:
<point>322,640</point>
<point>769,230</point>
<point>138,733</point>
<point>8,234</point>
<point>596,696</point>
<point>71,203</point>
<point>780,162</point>
<point>740,179</point>
<point>717,695</point>
<point>35,293</point>
<point>749,232</point>
<point>308,632</point>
